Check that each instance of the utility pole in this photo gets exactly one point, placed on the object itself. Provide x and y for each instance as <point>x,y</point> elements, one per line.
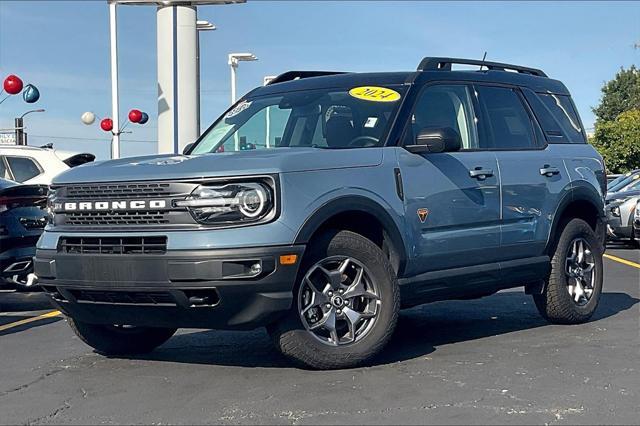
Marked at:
<point>19,126</point>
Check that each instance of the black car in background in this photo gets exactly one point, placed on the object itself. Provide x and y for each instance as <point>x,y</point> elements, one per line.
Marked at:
<point>22,219</point>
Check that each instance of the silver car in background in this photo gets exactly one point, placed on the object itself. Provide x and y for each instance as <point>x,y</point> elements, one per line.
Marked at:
<point>623,217</point>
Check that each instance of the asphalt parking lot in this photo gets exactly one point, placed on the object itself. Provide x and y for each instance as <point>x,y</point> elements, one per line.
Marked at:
<point>492,360</point>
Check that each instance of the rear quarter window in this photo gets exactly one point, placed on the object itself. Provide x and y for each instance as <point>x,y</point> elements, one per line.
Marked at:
<point>557,117</point>
<point>23,168</point>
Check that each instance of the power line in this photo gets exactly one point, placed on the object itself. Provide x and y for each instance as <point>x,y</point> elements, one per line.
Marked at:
<point>89,139</point>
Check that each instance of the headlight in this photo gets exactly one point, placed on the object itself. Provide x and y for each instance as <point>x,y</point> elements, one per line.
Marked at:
<point>229,204</point>
<point>51,197</point>
<point>637,213</point>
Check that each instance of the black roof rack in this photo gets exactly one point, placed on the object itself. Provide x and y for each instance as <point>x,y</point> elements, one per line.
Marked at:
<point>433,64</point>
<point>295,75</point>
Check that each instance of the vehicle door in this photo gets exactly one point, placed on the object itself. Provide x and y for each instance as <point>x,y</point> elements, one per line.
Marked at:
<point>533,178</point>
<point>452,199</point>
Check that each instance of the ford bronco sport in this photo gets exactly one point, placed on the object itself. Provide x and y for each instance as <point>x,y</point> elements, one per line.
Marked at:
<point>323,203</point>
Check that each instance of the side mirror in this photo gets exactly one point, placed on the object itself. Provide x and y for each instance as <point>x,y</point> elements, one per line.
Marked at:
<point>436,139</point>
<point>187,148</point>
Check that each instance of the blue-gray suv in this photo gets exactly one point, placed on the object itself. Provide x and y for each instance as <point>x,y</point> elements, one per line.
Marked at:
<point>323,203</point>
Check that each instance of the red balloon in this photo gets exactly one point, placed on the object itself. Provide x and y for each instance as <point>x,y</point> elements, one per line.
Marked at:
<point>107,124</point>
<point>13,85</point>
<point>135,115</point>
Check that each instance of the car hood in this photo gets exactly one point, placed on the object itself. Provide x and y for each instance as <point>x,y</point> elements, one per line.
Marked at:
<point>243,163</point>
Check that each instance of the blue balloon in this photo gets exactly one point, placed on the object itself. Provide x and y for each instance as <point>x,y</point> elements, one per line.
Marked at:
<point>144,119</point>
<point>31,94</point>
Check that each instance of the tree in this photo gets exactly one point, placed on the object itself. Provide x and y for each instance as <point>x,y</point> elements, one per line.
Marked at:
<point>619,95</point>
<point>618,141</point>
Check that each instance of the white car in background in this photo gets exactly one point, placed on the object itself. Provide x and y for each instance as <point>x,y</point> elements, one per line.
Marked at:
<point>37,166</point>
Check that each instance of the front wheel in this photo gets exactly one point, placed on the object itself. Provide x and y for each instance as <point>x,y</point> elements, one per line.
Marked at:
<point>346,304</point>
<point>574,287</point>
<point>120,339</point>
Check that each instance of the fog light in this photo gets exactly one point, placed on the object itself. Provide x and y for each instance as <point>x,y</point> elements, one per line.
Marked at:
<point>256,268</point>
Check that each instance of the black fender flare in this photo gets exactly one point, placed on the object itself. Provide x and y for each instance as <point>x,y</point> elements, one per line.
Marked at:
<point>354,203</point>
<point>576,193</point>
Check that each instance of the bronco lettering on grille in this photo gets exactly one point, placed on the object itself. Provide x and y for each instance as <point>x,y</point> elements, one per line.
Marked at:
<point>110,205</point>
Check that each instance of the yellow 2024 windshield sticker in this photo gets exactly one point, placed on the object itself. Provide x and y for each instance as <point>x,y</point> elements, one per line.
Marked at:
<point>374,94</point>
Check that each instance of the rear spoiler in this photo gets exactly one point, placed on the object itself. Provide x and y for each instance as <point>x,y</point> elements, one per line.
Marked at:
<point>79,159</point>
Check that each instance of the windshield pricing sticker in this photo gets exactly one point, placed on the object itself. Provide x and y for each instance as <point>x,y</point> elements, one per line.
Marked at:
<point>374,94</point>
<point>238,109</point>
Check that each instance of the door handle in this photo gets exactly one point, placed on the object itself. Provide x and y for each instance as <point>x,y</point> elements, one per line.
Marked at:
<point>549,171</point>
<point>480,173</point>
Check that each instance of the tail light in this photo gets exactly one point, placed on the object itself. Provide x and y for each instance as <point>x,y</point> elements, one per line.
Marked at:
<point>14,201</point>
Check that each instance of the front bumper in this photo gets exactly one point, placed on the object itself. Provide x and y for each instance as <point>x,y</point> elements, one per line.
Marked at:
<point>182,289</point>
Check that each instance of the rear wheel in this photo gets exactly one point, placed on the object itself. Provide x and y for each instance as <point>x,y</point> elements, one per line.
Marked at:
<point>346,304</point>
<point>573,291</point>
<point>120,339</point>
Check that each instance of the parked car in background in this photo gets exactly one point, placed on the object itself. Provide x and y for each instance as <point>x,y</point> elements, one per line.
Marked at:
<point>37,165</point>
<point>622,181</point>
<point>631,187</point>
<point>22,219</point>
<point>636,224</point>
<point>621,207</point>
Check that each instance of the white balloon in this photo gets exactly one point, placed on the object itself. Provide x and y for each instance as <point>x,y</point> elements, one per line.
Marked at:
<point>88,118</point>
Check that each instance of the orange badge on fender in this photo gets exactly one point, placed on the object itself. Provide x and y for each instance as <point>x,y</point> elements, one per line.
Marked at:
<point>422,214</point>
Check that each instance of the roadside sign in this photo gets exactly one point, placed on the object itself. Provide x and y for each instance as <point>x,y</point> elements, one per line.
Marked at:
<point>7,138</point>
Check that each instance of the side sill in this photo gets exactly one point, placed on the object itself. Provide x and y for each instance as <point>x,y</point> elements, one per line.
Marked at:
<point>473,281</point>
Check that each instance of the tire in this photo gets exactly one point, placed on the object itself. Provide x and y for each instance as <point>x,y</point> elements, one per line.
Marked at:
<point>113,340</point>
<point>557,304</point>
<point>312,349</point>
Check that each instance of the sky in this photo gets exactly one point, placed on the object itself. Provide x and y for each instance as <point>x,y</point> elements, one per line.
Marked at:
<point>63,48</point>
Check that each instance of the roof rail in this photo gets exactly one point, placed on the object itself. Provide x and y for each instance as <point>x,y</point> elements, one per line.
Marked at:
<point>295,75</point>
<point>433,64</point>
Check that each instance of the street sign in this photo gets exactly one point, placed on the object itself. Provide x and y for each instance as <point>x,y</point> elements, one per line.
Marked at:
<point>8,138</point>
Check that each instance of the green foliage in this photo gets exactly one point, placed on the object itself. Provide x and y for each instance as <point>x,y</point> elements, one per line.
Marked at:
<point>619,95</point>
<point>618,141</point>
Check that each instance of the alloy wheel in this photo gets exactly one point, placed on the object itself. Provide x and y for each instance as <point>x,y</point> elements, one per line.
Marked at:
<point>580,271</point>
<point>338,301</point>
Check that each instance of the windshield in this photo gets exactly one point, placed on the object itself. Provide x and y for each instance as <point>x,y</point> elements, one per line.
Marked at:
<point>633,186</point>
<point>624,182</point>
<point>326,118</point>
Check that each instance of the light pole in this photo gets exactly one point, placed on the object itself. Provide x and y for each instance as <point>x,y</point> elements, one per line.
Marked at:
<point>267,79</point>
<point>200,26</point>
<point>115,110</point>
<point>21,136</point>
<point>234,60</point>
<point>176,63</point>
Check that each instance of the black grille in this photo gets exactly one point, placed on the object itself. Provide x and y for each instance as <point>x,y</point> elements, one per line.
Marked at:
<point>117,218</point>
<point>124,297</point>
<point>115,190</point>
<point>113,245</point>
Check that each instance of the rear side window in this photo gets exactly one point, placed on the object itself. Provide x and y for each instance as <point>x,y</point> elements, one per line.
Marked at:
<point>565,114</point>
<point>23,168</point>
<point>557,117</point>
<point>504,119</point>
